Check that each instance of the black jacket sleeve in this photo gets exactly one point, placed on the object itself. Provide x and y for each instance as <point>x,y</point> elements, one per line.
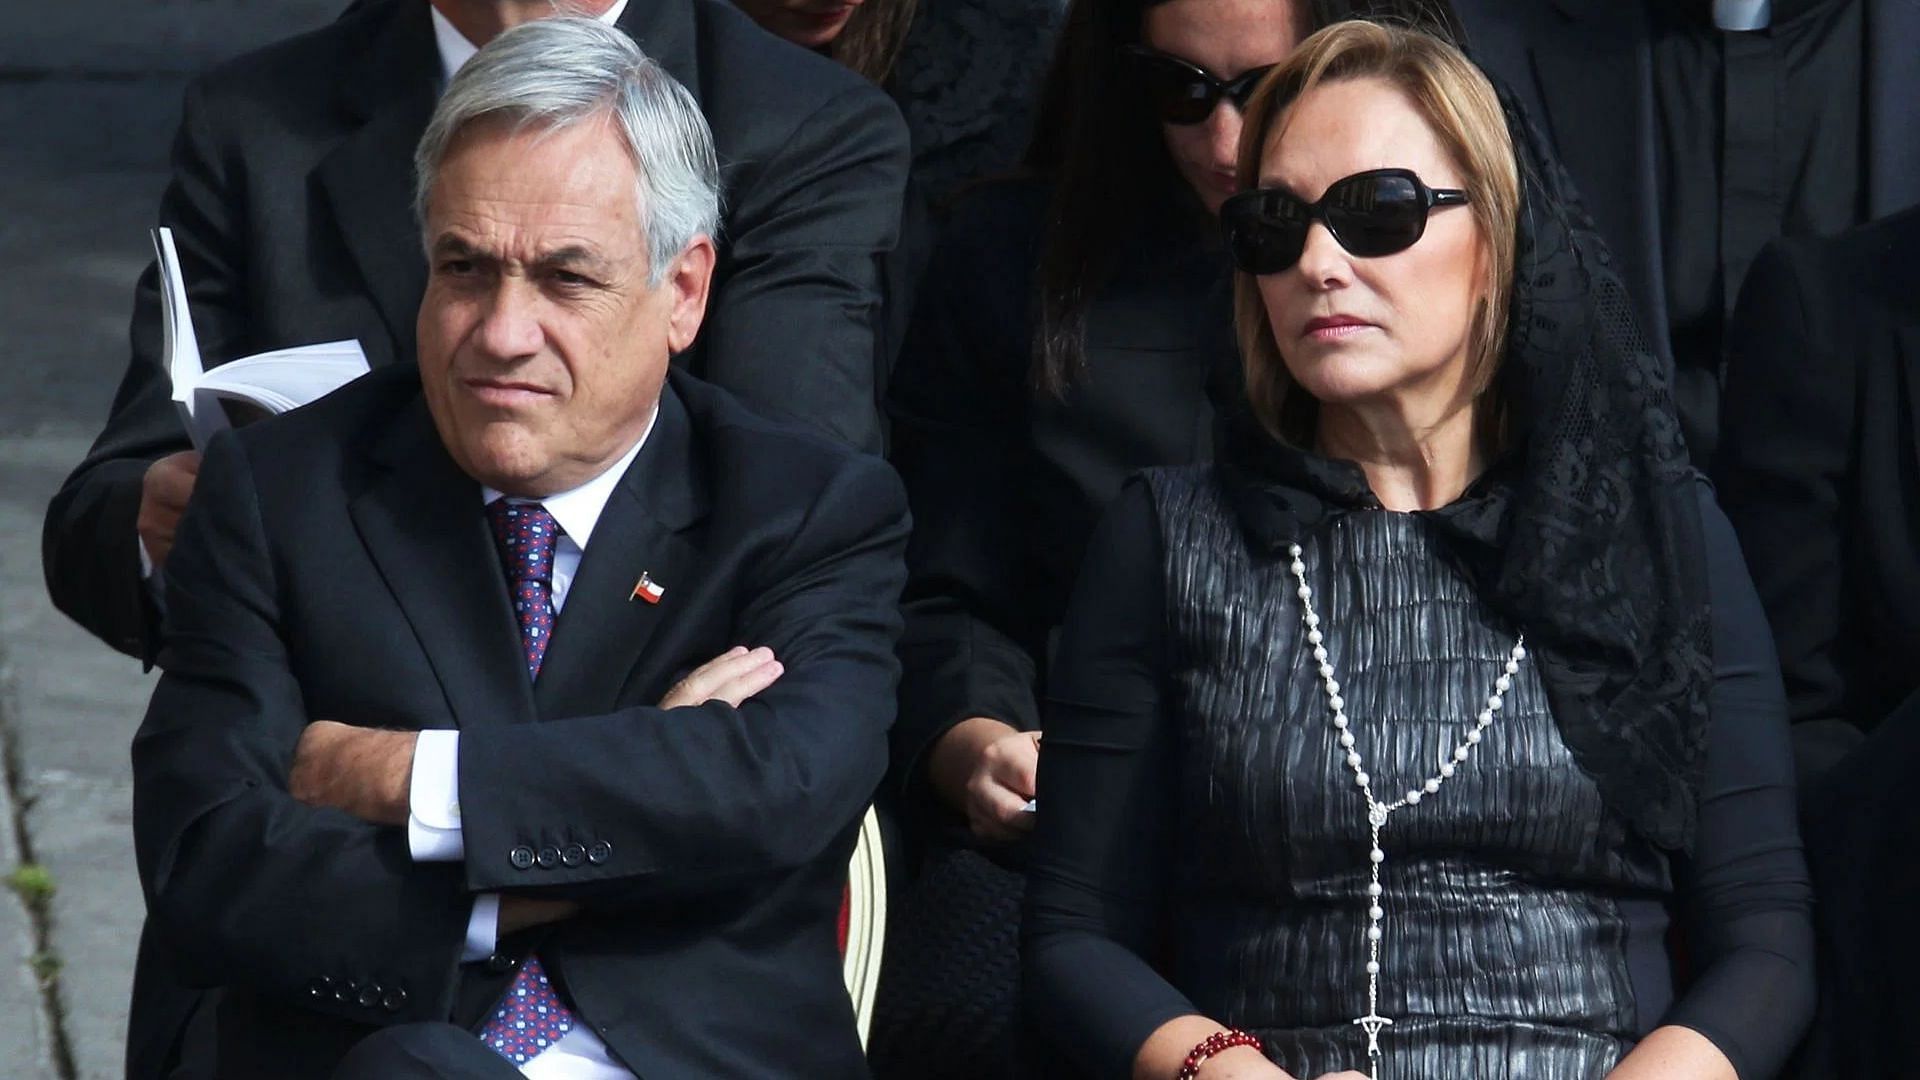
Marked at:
<point>959,407</point>
<point>1788,421</point>
<point>691,799</point>
<point>250,886</point>
<point>1748,901</point>
<point>796,327</point>
<point>1097,870</point>
<point>89,546</point>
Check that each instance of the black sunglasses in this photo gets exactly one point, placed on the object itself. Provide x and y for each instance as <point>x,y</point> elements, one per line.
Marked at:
<point>1373,213</point>
<point>1184,93</point>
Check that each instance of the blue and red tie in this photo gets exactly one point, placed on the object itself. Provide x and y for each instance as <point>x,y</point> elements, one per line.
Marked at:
<point>531,1017</point>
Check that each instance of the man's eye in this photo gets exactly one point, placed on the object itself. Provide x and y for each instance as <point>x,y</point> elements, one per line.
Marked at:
<point>457,267</point>
<point>569,279</point>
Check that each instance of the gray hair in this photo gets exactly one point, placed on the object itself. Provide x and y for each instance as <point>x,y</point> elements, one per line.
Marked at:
<point>557,72</point>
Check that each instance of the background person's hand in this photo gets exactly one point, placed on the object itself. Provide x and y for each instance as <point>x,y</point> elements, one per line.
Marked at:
<point>732,677</point>
<point>164,491</point>
<point>985,769</point>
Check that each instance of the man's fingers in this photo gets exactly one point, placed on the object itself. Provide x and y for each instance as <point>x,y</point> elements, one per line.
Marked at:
<point>745,685</point>
<point>722,673</point>
<point>1015,762</point>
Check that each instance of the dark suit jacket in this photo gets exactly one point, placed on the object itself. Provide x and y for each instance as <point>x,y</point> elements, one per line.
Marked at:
<point>336,564</point>
<point>1820,471</point>
<point>1584,71</point>
<point>291,203</point>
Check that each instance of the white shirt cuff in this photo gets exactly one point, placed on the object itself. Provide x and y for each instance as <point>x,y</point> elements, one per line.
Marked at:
<point>433,799</point>
<point>146,560</point>
<point>483,928</point>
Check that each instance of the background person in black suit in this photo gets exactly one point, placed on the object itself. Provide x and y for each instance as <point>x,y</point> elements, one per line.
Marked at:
<point>347,783</point>
<point>290,205</point>
<point>1817,472</point>
<point>1694,143</point>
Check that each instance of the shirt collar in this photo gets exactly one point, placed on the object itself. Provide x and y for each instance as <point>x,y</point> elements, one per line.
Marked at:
<point>456,50</point>
<point>577,511</point>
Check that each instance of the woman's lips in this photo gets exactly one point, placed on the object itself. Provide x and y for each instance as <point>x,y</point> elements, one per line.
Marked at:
<point>1336,327</point>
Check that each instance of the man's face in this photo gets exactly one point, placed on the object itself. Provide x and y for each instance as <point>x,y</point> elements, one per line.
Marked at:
<point>542,347</point>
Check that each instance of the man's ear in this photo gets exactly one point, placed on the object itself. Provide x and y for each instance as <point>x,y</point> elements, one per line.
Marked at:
<point>689,282</point>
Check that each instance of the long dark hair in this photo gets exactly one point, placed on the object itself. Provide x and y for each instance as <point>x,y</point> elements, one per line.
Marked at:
<point>871,40</point>
<point>1096,139</point>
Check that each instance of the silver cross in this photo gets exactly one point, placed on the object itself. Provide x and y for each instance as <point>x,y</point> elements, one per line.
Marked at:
<point>1371,1024</point>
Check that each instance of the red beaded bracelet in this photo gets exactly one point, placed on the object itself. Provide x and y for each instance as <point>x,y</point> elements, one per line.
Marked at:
<point>1213,1044</point>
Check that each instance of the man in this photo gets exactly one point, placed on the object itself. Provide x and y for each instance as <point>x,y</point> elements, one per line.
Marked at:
<point>383,783</point>
<point>290,206</point>
<point>1697,131</point>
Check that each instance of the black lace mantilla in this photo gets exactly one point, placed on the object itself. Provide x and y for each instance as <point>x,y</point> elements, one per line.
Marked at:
<point>1587,534</point>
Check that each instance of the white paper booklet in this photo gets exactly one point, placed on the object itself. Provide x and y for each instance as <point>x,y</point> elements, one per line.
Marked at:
<point>271,382</point>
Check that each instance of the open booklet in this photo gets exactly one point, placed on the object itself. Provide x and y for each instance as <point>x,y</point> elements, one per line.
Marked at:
<point>267,383</point>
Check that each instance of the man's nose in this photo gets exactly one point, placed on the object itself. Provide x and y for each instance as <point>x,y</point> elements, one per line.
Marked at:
<point>511,329</point>
<point>1223,135</point>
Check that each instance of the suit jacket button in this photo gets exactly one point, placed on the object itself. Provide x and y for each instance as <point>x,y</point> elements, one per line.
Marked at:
<point>320,988</point>
<point>599,853</point>
<point>499,963</point>
<point>345,992</point>
<point>573,855</point>
<point>548,858</point>
<point>521,857</point>
<point>369,996</point>
<point>394,1000</point>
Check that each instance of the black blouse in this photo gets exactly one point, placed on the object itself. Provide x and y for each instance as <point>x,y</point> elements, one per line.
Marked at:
<point>1109,958</point>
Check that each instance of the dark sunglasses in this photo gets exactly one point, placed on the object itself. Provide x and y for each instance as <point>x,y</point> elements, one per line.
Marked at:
<point>1184,93</point>
<point>1374,213</point>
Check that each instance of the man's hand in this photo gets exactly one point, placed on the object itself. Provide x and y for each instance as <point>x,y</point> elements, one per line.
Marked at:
<point>732,677</point>
<point>366,772</point>
<point>164,491</point>
<point>521,912</point>
<point>985,768</point>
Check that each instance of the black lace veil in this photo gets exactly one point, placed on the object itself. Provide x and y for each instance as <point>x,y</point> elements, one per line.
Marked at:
<point>1586,534</point>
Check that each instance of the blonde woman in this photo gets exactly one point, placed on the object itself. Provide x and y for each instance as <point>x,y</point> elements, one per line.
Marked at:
<point>1434,731</point>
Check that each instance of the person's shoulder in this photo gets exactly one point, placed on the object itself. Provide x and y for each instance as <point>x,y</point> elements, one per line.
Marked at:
<point>755,457</point>
<point>302,68</point>
<point>744,66</point>
<point>321,432</point>
<point>1007,209</point>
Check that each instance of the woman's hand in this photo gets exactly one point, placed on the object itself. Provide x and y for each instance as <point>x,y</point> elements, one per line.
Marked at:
<point>985,769</point>
<point>1242,1063</point>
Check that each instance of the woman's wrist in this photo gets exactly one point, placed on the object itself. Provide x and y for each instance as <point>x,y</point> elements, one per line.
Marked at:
<point>1220,1055</point>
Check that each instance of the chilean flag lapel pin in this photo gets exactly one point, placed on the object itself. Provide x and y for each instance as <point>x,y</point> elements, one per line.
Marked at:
<point>647,589</point>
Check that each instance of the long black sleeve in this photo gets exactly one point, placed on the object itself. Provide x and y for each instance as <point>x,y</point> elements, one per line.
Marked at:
<point>1747,898</point>
<point>959,410</point>
<point>1095,881</point>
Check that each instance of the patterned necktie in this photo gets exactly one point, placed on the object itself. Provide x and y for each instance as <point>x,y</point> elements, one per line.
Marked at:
<point>531,1017</point>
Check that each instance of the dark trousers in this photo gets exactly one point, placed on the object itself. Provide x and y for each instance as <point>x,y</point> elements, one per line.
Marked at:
<point>1860,821</point>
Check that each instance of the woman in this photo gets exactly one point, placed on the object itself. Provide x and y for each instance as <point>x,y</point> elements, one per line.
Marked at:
<point>1073,328</point>
<point>1388,744</point>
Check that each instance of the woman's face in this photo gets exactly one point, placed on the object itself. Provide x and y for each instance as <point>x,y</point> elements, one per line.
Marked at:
<point>1395,329</point>
<point>812,24</point>
<point>1227,38</point>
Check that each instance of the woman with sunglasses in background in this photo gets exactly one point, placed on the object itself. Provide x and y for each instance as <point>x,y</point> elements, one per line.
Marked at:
<point>1073,326</point>
<point>1392,742</point>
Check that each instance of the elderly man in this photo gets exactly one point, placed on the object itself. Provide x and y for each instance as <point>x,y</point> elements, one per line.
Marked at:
<point>290,204</point>
<point>535,691</point>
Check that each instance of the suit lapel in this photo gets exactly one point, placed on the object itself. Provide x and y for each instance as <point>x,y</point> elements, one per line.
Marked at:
<point>368,178</point>
<point>1596,78</point>
<point>421,521</point>
<point>646,528</point>
<point>664,31</point>
<point>1893,86</point>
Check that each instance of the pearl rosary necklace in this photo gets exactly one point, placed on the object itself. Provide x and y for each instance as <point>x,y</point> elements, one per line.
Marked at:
<point>1379,812</point>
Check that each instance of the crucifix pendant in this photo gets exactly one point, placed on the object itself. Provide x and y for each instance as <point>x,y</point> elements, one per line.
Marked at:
<point>1371,1024</point>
